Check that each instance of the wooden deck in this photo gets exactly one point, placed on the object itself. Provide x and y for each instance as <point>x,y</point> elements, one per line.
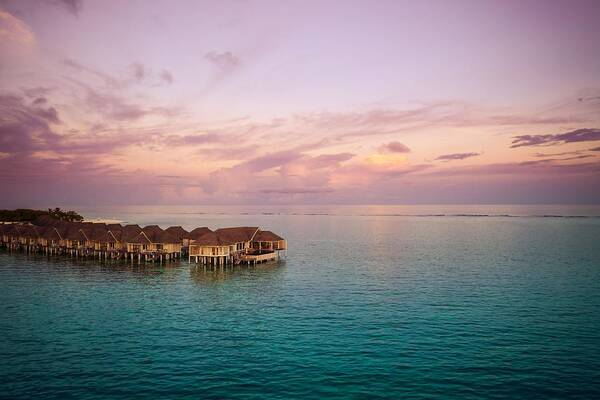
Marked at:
<point>258,258</point>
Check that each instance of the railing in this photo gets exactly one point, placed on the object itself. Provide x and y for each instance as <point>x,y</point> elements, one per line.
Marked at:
<point>258,257</point>
<point>208,251</point>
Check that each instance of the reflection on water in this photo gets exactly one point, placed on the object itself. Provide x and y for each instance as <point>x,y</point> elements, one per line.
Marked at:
<point>123,269</point>
<point>83,267</point>
<point>204,274</point>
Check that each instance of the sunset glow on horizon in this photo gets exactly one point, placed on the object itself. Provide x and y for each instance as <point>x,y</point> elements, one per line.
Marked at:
<point>265,102</point>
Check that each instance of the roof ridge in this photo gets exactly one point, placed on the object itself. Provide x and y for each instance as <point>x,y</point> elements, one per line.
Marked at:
<point>255,232</point>
<point>58,233</point>
<point>147,238</point>
<point>113,235</point>
<point>84,235</point>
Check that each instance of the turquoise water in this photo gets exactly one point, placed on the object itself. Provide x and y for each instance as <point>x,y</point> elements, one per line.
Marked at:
<point>372,302</point>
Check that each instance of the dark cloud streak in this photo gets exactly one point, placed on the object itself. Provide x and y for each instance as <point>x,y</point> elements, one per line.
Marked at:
<point>578,135</point>
<point>456,156</point>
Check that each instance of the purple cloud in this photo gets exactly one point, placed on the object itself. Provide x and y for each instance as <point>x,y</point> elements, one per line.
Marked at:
<point>328,160</point>
<point>578,135</point>
<point>141,73</point>
<point>40,101</point>
<point>223,61</point>
<point>197,139</point>
<point>113,106</point>
<point>293,172</point>
<point>166,77</point>
<point>49,114</point>
<point>296,190</point>
<point>24,129</point>
<point>107,79</point>
<point>119,109</point>
<point>271,160</point>
<point>395,147</point>
<point>564,153</point>
<point>591,98</point>
<point>456,156</point>
<point>538,168</point>
<point>39,91</point>
<point>73,6</point>
<point>138,71</point>
<point>391,121</point>
<point>553,160</point>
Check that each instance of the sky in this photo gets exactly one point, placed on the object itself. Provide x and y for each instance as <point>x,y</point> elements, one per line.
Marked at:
<point>299,102</point>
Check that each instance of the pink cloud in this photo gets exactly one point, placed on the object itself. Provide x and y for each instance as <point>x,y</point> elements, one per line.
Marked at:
<point>13,29</point>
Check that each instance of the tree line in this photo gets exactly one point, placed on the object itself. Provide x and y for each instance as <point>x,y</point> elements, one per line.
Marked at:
<point>28,215</point>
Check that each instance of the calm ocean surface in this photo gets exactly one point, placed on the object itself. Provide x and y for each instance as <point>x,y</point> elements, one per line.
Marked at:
<point>372,302</point>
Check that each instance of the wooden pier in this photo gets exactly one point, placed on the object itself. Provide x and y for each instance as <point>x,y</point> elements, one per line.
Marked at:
<point>258,258</point>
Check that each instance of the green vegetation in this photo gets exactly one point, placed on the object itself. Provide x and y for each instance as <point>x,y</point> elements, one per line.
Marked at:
<point>27,215</point>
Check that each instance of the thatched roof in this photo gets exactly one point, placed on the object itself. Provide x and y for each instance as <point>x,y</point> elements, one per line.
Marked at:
<point>96,233</point>
<point>210,238</point>
<point>117,235</point>
<point>6,229</point>
<point>30,232</point>
<point>154,234</point>
<point>92,230</point>
<point>237,234</point>
<point>178,232</point>
<point>198,233</point>
<point>51,233</point>
<point>130,232</point>
<point>53,229</point>
<point>114,227</point>
<point>105,236</point>
<point>13,229</point>
<point>74,232</point>
<point>266,236</point>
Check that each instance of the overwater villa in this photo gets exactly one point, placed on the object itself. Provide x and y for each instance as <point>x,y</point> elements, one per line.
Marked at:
<point>180,234</point>
<point>234,245</point>
<point>223,246</point>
